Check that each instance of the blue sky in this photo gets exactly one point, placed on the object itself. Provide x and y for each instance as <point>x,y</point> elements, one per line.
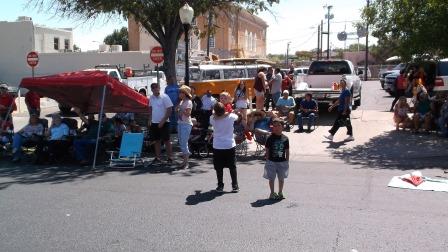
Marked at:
<point>292,21</point>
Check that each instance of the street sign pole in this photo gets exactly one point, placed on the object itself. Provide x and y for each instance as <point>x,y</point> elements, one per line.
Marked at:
<point>158,81</point>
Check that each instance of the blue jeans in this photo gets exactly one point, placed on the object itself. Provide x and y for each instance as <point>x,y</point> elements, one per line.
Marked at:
<point>311,119</point>
<point>443,126</point>
<point>17,141</point>
<point>275,97</point>
<point>183,133</point>
<point>80,146</point>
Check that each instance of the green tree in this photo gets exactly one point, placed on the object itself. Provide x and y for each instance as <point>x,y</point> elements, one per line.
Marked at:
<point>159,17</point>
<point>118,37</point>
<point>356,47</point>
<point>305,55</point>
<point>414,27</point>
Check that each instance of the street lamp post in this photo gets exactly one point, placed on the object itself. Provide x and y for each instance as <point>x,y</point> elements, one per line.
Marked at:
<point>329,16</point>
<point>186,14</point>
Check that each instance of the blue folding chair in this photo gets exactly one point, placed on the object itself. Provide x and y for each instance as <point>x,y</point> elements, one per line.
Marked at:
<point>130,151</point>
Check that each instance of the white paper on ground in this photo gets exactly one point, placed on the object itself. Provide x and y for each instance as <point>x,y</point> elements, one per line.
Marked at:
<point>397,182</point>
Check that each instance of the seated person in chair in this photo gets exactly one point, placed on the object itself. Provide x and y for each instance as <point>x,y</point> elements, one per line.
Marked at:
<point>32,132</point>
<point>54,143</point>
<point>88,139</point>
<point>308,108</point>
<point>285,106</point>
<point>422,113</point>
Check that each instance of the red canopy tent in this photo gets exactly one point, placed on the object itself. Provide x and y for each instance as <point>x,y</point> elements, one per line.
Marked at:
<point>84,90</point>
<point>91,91</point>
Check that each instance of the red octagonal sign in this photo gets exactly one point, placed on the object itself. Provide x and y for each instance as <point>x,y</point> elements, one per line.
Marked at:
<point>32,59</point>
<point>157,55</point>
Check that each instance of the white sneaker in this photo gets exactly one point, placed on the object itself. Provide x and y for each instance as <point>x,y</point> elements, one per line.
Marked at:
<point>350,138</point>
<point>329,137</point>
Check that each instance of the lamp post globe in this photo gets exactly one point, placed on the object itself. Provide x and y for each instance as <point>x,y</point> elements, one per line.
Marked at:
<point>186,14</point>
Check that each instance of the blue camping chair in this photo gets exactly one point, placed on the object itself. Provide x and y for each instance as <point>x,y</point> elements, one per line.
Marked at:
<point>130,151</point>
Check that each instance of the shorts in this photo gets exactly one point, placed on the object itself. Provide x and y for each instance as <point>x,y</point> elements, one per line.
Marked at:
<point>224,158</point>
<point>258,93</point>
<point>273,169</point>
<point>156,134</point>
<point>240,104</point>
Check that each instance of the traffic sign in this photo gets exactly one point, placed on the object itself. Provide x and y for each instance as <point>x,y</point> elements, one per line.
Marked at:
<point>32,58</point>
<point>156,55</point>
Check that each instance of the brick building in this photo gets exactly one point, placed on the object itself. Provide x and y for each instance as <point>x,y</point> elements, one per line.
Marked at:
<point>238,34</point>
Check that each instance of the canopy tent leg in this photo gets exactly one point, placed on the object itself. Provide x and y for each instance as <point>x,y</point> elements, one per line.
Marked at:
<point>100,121</point>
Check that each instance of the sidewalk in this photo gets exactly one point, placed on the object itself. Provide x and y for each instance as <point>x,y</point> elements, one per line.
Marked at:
<point>375,138</point>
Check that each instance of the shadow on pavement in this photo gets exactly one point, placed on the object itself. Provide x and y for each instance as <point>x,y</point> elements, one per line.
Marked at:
<point>264,202</point>
<point>398,150</point>
<point>32,174</point>
<point>201,197</point>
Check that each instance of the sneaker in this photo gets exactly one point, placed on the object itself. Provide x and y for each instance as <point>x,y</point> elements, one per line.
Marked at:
<point>235,189</point>
<point>329,137</point>
<point>220,189</point>
<point>299,130</point>
<point>273,196</point>
<point>280,196</point>
<point>350,138</point>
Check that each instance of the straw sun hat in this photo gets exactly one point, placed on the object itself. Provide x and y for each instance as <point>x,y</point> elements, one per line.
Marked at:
<point>186,90</point>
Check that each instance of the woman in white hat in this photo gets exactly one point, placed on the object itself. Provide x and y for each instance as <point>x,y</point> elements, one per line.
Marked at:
<point>184,123</point>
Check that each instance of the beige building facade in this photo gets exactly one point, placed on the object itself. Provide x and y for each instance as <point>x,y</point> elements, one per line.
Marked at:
<point>237,34</point>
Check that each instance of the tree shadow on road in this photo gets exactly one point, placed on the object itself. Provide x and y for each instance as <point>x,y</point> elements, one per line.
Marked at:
<point>32,174</point>
<point>400,150</point>
<point>201,197</point>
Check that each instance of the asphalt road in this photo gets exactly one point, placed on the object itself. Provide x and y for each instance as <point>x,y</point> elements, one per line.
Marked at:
<point>332,204</point>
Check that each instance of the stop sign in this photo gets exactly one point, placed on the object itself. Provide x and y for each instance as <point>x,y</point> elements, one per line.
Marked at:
<point>32,59</point>
<point>156,55</point>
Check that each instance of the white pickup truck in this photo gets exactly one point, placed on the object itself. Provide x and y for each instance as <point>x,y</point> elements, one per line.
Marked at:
<point>321,76</point>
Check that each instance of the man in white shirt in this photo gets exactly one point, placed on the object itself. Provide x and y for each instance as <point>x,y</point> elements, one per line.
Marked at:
<point>160,108</point>
<point>276,87</point>
<point>208,101</point>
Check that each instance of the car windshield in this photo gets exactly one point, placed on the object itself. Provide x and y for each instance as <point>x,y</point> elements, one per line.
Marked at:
<point>443,68</point>
<point>329,68</point>
<point>233,73</point>
<point>195,74</point>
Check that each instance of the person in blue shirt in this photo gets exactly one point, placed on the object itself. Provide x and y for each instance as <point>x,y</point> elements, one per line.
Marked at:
<point>308,108</point>
<point>172,90</point>
<point>344,107</point>
<point>284,108</point>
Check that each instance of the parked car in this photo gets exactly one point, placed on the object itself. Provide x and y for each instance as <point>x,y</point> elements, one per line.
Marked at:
<point>436,72</point>
<point>395,70</point>
<point>361,72</point>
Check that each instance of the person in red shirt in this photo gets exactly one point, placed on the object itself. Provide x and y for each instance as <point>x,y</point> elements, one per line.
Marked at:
<point>286,83</point>
<point>226,99</point>
<point>32,100</point>
<point>6,100</point>
<point>400,89</point>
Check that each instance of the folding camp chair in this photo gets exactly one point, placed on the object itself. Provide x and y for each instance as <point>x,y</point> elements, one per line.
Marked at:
<point>260,137</point>
<point>130,151</point>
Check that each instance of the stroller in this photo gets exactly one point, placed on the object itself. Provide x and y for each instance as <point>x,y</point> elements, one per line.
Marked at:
<point>200,142</point>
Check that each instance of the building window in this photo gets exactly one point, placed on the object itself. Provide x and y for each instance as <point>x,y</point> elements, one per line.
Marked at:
<point>56,43</point>
<point>246,40</point>
<point>66,44</point>
<point>212,41</point>
<point>255,43</point>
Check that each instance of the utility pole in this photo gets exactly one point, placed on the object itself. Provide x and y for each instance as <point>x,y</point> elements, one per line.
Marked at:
<point>287,53</point>
<point>329,7</point>
<point>318,43</point>
<point>208,33</point>
<point>367,46</point>
<point>321,38</point>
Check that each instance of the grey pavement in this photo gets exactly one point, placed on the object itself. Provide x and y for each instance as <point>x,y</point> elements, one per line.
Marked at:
<point>337,199</point>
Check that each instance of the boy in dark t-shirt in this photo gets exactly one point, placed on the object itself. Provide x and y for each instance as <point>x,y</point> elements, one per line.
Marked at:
<point>277,159</point>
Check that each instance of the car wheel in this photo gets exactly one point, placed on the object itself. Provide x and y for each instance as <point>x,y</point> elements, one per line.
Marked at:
<point>64,108</point>
<point>357,102</point>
